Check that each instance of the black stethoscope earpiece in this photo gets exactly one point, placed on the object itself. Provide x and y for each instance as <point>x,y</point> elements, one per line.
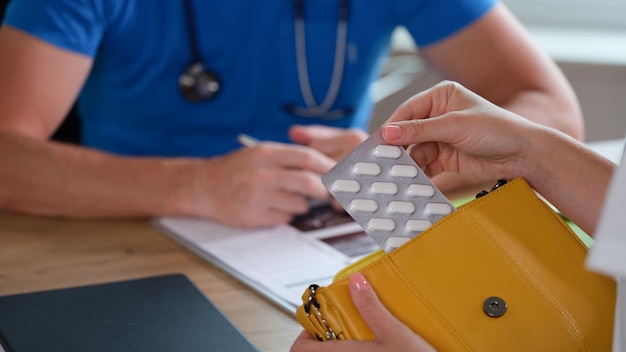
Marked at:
<point>197,83</point>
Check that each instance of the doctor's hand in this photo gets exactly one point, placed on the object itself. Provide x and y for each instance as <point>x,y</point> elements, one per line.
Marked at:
<point>449,128</point>
<point>265,185</point>
<point>331,141</point>
<point>391,334</point>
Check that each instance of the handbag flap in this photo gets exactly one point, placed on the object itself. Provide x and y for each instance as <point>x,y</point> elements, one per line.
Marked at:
<point>503,272</point>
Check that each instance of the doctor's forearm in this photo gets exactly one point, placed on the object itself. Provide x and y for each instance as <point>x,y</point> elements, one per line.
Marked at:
<point>47,178</point>
<point>553,107</point>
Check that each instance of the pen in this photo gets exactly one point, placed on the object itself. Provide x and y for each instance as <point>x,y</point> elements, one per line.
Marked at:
<point>247,141</point>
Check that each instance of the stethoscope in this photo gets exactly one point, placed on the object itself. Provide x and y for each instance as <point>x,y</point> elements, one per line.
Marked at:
<point>199,83</point>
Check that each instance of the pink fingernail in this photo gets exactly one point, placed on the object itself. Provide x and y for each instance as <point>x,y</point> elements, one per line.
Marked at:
<point>357,280</point>
<point>391,132</point>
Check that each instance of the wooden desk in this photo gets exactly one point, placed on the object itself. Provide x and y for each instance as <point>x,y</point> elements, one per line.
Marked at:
<point>42,253</point>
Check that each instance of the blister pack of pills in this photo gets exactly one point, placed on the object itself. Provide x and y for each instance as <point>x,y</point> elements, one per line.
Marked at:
<point>386,192</point>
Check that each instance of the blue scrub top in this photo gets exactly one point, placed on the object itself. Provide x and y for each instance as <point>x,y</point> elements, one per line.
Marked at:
<point>131,103</point>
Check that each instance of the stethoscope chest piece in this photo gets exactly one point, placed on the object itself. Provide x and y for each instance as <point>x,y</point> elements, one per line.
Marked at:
<point>197,83</point>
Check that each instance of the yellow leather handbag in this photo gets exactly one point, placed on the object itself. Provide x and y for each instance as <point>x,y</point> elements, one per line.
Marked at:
<point>503,272</point>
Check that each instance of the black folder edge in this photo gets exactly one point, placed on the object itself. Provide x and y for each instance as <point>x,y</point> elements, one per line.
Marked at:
<point>4,345</point>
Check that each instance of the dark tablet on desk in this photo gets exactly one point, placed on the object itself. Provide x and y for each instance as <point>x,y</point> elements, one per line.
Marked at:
<point>164,313</point>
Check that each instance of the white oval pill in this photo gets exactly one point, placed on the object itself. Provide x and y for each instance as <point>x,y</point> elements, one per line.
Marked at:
<point>367,169</point>
<point>346,186</point>
<point>394,242</point>
<point>437,209</point>
<point>417,225</point>
<point>400,207</point>
<point>380,224</point>
<point>383,188</point>
<point>415,190</point>
<point>365,205</point>
<point>403,171</point>
<point>387,151</point>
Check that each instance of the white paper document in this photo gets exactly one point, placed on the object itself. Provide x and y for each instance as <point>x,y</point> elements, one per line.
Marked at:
<point>279,262</point>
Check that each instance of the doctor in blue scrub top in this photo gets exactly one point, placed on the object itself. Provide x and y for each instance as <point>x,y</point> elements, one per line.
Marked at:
<point>164,87</point>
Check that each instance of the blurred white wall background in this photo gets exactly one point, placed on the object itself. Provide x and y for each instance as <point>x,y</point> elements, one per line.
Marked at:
<point>587,39</point>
